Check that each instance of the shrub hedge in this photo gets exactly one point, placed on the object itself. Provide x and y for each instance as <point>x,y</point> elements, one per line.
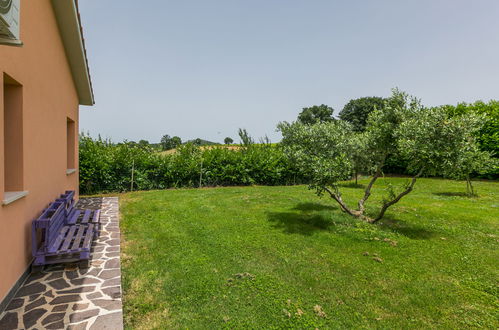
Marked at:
<point>107,167</point>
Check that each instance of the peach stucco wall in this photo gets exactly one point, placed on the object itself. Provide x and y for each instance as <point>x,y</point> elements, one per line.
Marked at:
<point>49,99</point>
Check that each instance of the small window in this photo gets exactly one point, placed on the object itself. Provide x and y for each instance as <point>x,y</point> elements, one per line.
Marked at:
<point>13,135</point>
<point>70,145</point>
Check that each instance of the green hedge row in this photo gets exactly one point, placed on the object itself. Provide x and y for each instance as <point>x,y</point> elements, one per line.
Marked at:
<point>107,167</point>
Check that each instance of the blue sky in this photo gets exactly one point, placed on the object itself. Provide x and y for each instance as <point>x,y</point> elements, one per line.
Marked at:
<point>205,68</point>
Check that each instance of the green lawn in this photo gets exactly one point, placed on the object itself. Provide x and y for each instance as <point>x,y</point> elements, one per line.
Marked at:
<point>280,257</point>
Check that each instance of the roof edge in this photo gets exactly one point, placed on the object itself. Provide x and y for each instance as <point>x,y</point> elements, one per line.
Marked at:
<point>68,20</point>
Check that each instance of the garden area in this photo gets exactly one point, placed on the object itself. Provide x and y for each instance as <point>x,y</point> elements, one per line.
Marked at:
<point>279,257</point>
<point>382,217</point>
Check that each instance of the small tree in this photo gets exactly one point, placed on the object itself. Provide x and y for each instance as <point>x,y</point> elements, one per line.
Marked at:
<point>166,143</point>
<point>176,142</point>
<point>426,138</point>
<point>465,153</point>
<point>143,143</point>
<point>316,114</point>
<point>357,111</point>
<point>228,140</point>
<point>246,139</point>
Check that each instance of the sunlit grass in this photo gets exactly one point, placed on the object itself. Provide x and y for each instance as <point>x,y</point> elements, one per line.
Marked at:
<point>263,257</point>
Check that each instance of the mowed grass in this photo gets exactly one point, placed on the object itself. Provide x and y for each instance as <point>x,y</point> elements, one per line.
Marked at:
<point>280,257</point>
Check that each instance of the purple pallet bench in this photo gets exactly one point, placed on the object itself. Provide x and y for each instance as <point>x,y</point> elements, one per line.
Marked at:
<point>77,216</point>
<point>66,234</point>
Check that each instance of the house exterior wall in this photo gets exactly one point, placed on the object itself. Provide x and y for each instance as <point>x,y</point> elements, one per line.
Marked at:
<point>49,98</point>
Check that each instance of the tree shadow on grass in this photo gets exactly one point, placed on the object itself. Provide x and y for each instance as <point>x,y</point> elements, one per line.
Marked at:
<point>452,194</point>
<point>351,184</point>
<point>306,221</point>
<point>308,218</point>
<point>299,223</point>
<point>309,206</point>
<point>388,223</point>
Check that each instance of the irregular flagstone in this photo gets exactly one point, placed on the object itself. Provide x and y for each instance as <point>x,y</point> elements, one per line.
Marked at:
<point>81,316</point>
<point>55,275</point>
<point>78,307</point>
<point>79,326</point>
<point>14,304</point>
<point>35,277</point>
<point>94,295</point>
<point>108,321</point>
<point>94,272</point>
<point>114,242</point>
<point>34,297</point>
<point>59,284</point>
<point>113,292</point>
<point>53,317</point>
<point>107,274</point>
<point>72,274</point>
<point>81,289</point>
<point>37,303</point>
<point>65,299</point>
<point>31,289</point>
<point>32,317</point>
<point>80,295</point>
<point>56,325</point>
<point>109,304</point>
<point>111,282</point>
<point>112,263</point>
<point>9,321</point>
<point>60,308</point>
<point>85,280</point>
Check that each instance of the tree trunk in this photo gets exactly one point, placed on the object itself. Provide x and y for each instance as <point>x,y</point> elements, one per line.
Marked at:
<point>469,187</point>
<point>337,197</point>
<point>360,212</point>
<point>407,190</point>
<point>367,191</point>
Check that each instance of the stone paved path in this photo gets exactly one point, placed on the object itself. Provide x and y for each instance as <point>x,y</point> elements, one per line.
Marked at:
<point>75,296</point>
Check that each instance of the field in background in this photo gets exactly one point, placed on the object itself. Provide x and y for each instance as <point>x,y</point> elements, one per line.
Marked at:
<point>223,146</point>
<point>280,257</point>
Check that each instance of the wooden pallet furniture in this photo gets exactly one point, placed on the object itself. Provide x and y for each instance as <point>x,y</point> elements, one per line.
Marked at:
<point>77,216</point>
<point>62,233</point>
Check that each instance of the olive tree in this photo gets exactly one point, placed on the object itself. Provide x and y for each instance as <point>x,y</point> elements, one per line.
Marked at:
<point>461,157</point>
<point>329,152</point>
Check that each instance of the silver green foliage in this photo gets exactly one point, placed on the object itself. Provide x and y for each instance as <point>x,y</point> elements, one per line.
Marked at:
<point>432,142</point>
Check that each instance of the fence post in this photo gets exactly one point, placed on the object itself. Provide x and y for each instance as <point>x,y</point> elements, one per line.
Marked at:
<point>201,174</point>
<point>133,167</point>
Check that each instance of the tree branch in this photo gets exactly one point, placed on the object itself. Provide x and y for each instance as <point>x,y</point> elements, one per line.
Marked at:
<point>367,192</point>
<point>343,206</point>
<point>407,190</point>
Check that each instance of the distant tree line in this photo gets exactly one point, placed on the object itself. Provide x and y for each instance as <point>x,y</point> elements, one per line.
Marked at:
<point>107,166</point>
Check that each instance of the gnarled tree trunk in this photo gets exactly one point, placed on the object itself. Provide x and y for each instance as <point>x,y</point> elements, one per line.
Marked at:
<point>360,212</point>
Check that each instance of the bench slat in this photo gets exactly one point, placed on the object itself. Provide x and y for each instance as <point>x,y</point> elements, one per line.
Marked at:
<point>96,217</point>
<point>73,217</point>
<point>57,242</point>
<point>88,237</point>
<point>56,222</point>
<point>69,238</point>
<point>76,244</point>
<point>86,216</point>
